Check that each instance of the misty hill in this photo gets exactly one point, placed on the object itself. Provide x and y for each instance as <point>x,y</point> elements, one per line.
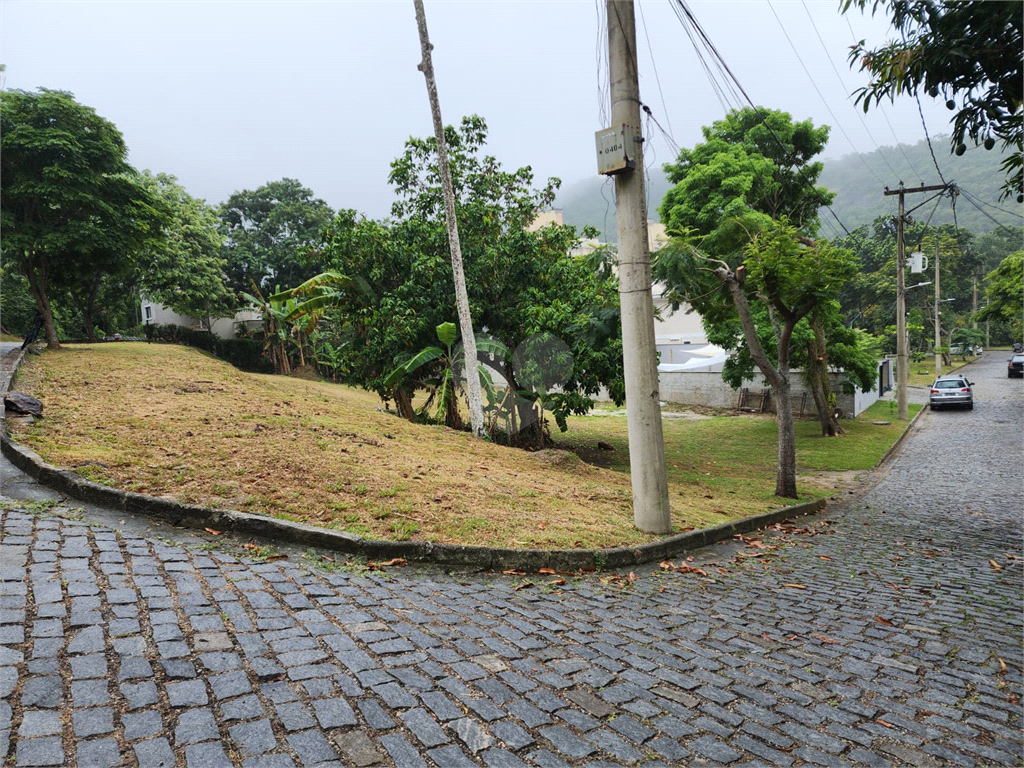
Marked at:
<point>857,180</point>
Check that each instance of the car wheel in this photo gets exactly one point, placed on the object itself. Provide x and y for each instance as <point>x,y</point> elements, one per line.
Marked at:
<point>970,406</point>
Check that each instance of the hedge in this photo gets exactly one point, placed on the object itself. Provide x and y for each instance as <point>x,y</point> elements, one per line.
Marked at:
<point>245,354</point>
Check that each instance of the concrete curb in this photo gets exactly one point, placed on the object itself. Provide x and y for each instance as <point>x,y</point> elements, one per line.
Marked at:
<point>174,512</point>
<point>902,437</point>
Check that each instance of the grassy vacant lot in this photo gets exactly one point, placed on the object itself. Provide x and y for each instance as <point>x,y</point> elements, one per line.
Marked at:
<point>171,421</point>
<point>923,374</point>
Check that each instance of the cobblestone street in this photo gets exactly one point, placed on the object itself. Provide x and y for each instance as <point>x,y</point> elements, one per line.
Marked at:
<point>886,631</point>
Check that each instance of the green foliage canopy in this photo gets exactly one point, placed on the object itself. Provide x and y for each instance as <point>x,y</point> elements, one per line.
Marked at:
<point>270,235</point>
<point>969,52</point>
<point>73,211</point>
<point>186,271</point>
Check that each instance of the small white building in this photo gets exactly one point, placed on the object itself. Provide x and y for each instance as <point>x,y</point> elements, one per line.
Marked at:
<point>221,327</point>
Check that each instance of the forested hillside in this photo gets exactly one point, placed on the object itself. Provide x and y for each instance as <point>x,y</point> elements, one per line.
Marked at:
<point>857,180</point>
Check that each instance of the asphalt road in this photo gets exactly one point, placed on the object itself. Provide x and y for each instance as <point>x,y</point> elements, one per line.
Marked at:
<point>885,631</point>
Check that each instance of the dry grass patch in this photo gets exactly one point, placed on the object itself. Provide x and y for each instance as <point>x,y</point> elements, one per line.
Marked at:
<point>171,421</point>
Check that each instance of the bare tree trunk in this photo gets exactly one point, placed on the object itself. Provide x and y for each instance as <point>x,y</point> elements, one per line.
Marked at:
<point>785,476</point>
<point>426,66</point>
<point>817,379</point>
<point>38,284</point>
<point>403,402</point>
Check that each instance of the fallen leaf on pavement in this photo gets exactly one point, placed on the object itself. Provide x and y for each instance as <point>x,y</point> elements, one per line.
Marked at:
<point>824,557</point>
<point>995,566</point>
<point>829,640</point>
<point>556,582</point>
<point>795,586</point>
<point>546,571</point>
<point>887,623</point>
<point>1002,666</point>
<point>882,722</point>
<point>514,572</point>
<point>395,561</point>
<point>210,530</point>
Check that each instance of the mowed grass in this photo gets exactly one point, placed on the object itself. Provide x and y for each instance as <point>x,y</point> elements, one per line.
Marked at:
<point>174,422</point>
<point>923,374</point>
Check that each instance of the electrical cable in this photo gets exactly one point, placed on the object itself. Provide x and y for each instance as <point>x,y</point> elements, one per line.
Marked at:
<point>822,96</point>
<point>650,51</point>
<point>988,216</point>
<point>839,77</point>
<point>929,138</point>
<point>989,205</point>
<point>881,108</point>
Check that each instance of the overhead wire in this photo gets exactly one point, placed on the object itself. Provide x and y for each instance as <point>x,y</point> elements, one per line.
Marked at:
<point>817,90</point>
<point>985,213</point>
<point>724,67</point>
<point>881,108</point>
<point>931,149</point>
<point>654,65</point>
<point>846,90</point>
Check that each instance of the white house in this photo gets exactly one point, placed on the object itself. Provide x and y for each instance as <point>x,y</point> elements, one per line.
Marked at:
<point>222,327</point>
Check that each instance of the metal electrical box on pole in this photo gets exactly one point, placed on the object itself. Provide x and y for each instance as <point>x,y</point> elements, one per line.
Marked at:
<point>616,149</point>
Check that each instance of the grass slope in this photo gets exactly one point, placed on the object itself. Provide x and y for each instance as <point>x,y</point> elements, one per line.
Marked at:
<point>171,421</point>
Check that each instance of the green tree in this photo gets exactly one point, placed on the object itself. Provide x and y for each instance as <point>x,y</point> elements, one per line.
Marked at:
<point>754,159</point>
<point>521,283</point>
<point>271,234</point>
<point>969,52</point>
<point>1005,294</point>
<point>786,272</point>
<point>72,209</point>
<point>754,163</point>
<point>186,273</point>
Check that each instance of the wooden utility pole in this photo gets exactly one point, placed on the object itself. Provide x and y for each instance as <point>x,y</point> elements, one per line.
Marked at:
<point>476,411</point>
<point>901,299</point>
<point>651,508</point>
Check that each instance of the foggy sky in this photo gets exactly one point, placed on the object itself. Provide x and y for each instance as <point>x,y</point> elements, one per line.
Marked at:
<point>228,95</point>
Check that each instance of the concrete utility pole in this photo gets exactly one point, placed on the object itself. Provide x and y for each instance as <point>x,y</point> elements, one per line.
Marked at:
<point>476,411</point>
<point>651,509</point>
<point>938,327</point>
<point>901,299</point>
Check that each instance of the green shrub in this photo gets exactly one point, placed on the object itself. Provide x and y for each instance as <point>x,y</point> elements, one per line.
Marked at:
<point>244,354</point>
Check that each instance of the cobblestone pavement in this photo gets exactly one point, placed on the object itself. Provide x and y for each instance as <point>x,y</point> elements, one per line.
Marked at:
<point>886,631</point>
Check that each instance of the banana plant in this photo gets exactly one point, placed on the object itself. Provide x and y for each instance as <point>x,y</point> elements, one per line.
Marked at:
<point>275,314</point>
<point>444,380</point>
<point>311,300</point>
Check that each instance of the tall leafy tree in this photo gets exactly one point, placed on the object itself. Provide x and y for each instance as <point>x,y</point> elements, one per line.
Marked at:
<point>754,159</point>
<point>186,271</point>
<point>72,208</point>
<point>967,52</point>
<point>754,163</point>
<point>270,235</point>
<point>520,283</point>
<point>789,275</point>
<point>1006,294</point>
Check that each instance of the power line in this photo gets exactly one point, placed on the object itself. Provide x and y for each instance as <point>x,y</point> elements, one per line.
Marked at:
<point>650,51</point>
<point>821,96</point>
<point>722,65</point>
<point>881,108</point>
<point>987,215</point>
<point>929,138</point>
<point>839,77</point>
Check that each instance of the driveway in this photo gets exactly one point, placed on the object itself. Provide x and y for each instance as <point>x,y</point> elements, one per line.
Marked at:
<point>886,631</point>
